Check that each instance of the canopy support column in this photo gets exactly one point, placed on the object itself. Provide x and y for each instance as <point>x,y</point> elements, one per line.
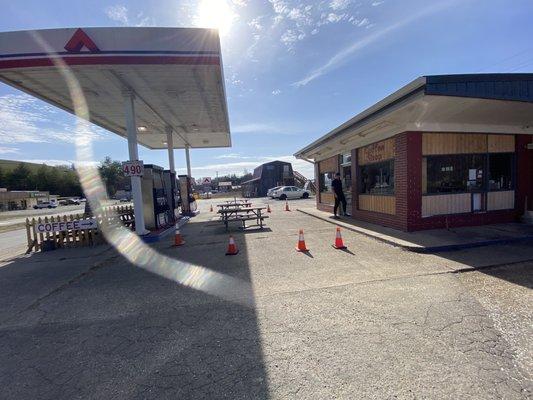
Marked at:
<point>131,128</point>
<point>170,147</point>
<point>188,159</point>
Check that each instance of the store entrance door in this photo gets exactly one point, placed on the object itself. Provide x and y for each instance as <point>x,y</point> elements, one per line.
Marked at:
<point>346,176</point>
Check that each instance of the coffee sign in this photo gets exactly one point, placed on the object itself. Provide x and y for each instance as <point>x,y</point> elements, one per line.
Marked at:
<point>377,152</point>
<point>63,226</point>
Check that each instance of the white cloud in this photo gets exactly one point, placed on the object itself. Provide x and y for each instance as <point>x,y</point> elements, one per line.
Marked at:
<point>342,56</point>
<point>301,15</point>
<point>340,4</point>
<point>377,3</point>
<point>332,17</point>
<point>24,119</point>
<point>293,21</point>
<point>256,23</point>
<point>249,163</point>
<point>279,6</point>
<point>119,13</point>
<point>276,92</point>
<point>234,80</point>
<point>290,37</point>
<point>8,150</point>
<point>363,22</point>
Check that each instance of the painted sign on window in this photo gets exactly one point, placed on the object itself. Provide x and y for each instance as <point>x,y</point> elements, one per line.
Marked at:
<point>377,152</point>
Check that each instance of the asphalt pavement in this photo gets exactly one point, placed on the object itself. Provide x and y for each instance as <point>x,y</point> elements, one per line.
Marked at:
<point>370,322</point>
<point>12,243</point>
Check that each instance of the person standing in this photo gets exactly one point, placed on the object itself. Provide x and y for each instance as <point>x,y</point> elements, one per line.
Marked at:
<point>336,187</point>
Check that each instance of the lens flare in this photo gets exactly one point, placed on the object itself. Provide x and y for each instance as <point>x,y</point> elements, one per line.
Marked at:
<point>127,243</point>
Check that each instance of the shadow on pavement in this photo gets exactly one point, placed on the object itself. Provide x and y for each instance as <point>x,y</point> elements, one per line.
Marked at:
<point>112,330</point>
<point>474,247</point>
<point>517,273</point>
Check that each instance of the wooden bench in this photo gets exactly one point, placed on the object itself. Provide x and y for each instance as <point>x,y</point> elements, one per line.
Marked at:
<point>252,217</point>
<point>242,219</point>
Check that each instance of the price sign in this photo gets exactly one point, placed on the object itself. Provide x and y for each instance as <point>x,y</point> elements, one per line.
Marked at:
<point>133,168</point>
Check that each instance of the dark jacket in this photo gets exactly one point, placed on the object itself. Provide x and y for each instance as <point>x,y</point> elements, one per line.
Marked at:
<point>336,186</point>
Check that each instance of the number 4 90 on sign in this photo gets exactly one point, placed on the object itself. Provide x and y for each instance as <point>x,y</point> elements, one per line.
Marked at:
<point>133,168</point>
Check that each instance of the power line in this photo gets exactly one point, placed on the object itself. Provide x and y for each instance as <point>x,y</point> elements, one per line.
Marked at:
<point>506,59</point>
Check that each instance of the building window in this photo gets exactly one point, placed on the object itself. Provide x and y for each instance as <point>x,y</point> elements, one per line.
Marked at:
<point>501,171</point>
<point>464,173</point>
<point>325,181</point>
<point>455,173</point>
<point>377,178</point>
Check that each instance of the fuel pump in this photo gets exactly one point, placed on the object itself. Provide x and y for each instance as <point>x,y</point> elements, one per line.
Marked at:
<point>155,201</point>
<point>172,193</point>
<point>188,203</point>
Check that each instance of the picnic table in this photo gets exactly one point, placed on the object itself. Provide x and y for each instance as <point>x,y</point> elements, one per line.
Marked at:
<point>234,205</point>
<point>242,214</point>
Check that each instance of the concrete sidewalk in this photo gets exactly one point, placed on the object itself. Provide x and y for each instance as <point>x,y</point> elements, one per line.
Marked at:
<point>433,240</point>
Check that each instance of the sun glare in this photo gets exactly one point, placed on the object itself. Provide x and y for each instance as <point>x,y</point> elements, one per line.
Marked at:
<point>215,14</point>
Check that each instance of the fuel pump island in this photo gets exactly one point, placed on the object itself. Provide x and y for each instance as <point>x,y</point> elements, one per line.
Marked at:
<point>162,88</point>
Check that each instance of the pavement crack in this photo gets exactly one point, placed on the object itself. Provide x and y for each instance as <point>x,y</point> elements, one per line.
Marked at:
<point>36,303</point>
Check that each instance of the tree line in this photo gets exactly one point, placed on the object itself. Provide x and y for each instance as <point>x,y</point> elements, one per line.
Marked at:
<point>63,180</point>
<point>233,178</point>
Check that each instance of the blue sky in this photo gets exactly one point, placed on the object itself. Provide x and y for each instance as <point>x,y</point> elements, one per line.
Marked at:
<point>294,69</point>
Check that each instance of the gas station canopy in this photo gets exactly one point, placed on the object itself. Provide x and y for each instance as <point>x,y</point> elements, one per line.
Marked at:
<point>174,75</point>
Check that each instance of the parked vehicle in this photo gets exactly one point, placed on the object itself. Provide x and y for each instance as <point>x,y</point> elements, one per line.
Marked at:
<point>45,204</point>
<point>272,190</point>
<point>290,192</point>
<point>73,201</point>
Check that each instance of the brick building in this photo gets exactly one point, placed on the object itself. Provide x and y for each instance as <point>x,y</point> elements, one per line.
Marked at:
<point>443,151</point>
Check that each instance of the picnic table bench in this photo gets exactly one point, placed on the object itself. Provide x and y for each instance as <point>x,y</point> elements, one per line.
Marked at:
<point>242,214</point>
<point>234,205</point>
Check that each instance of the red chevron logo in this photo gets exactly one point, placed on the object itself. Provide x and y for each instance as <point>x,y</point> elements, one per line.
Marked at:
<point>79,40</point>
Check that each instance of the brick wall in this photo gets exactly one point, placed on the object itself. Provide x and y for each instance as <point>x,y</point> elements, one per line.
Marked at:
<point>408,190</point>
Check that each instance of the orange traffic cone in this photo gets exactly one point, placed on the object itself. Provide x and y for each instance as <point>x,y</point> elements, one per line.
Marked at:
<point>301,242</point>
<point>178,240</point>
<point>211,208</point>
<point>232,247</point>
<point>339,244</point>
<point>268,208</point>
<point>287,206</point>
